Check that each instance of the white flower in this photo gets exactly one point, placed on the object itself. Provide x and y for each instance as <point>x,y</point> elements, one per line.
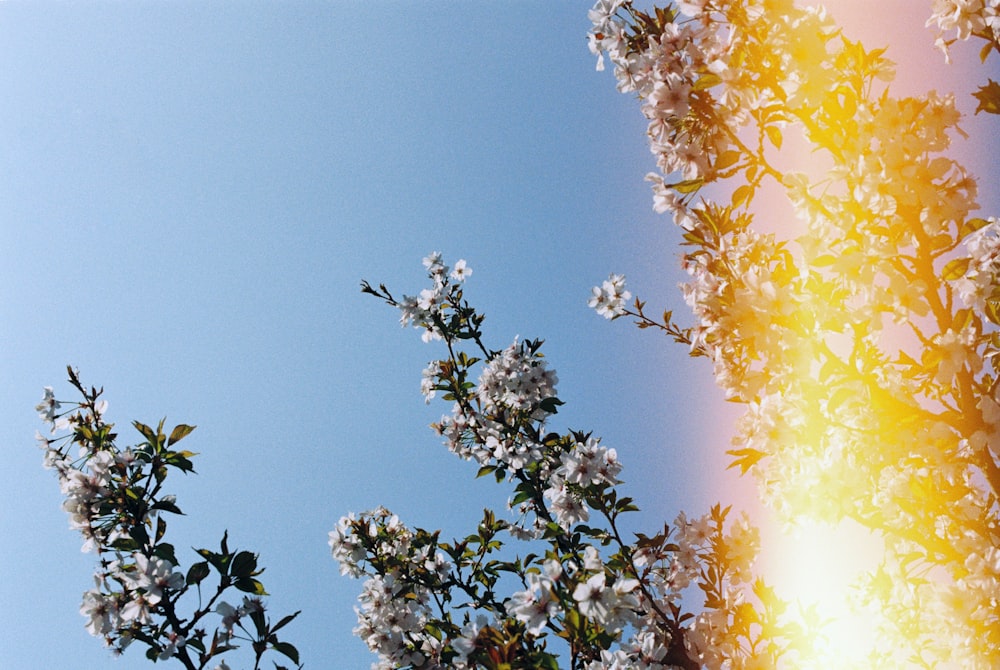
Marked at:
<point>429,299</point>
<point>429,380</point>
<point>466,644</point>
<point>692,8</point>
<point>603,10</point>
<point>534,606</point>
<point>589,463</point>
<point>516,379</point>
<point>410,311</point>
<point>101,610</point>
<point>169,649</point>
<point>153,575</point>
<point>434,264</point>
<point>461,271</point>
<point>592,559</point>
<point>230,615</point>
<point>609,299</point>
<point>963,16</point>
<point>136,610</point>
<point>613,660</point>
<point>590,596</point>
<point>957,350</point>
<point>670,97</point>
<point>567,508</point>
<point>48,406</point>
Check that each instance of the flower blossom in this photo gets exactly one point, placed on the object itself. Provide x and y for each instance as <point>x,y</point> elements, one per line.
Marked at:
<point>537,605</point>
<point>516,379</point>
<point>48,407</point>
<point>609,299</point>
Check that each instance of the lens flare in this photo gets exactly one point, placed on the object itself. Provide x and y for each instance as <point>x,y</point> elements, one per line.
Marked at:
<point>814,566</point>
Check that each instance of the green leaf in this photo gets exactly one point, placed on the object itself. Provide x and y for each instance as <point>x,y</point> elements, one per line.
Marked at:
<point>706,81</point>
<point>727,159</point>
<point>774,134</point>
<point>161,528</point>
<point>971,226</point>
<point>179,433</point>
<point>942,241</point>
<point>195,643</point>
<point>549,405</point>
<point>166,552</point>
<point>984,53</point>
<point>167,506</point>
<point>626,505</point>
<point>197,572</point>
<point>989,98</point>
<point>693,238</point>
<point>955,269</point>
<point>257,616</point>
<point>522,496</point>
<point>250,585</point>
<point>218,561</point>
<point>180,460</point>
<point>744,458</point>
<point>284,622</point>
<point>545,662</point>
<point>572,622</point>
<point>126,544</point>
<point>286,649</point>
<point>146,431</point>
<point>244,564</point>
<point>688,186</point>
<point>139,534</point>
<point>993,311</point>
<point>742,194</point>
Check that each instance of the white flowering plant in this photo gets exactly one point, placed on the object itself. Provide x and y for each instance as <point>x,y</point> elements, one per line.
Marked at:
<point>861,330</point>
<point>556,581</point>
<point>115,498</point>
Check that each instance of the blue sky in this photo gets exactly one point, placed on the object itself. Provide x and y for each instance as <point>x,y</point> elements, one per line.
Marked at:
<point>192,193</point>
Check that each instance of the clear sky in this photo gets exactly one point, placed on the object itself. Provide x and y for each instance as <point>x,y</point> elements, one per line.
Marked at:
<point>191,194</point>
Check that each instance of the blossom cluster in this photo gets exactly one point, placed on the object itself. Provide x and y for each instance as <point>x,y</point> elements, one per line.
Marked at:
<point>515,385</point>
<point>861,334</point>
<point>114,498</point>
<point>610,298</point>
<point>420,310</point>
<point>587,465</point>
<point>666,71</point>
<point>395,600</point>
<point>613,603</point>
<point>870,391</point>
<point>966,18</point>
<point>979,283</point>
<point>516,380</point>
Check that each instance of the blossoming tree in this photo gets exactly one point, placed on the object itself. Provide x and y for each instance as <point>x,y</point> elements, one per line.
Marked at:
<point>859,334</point>
<point>115,499</point>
